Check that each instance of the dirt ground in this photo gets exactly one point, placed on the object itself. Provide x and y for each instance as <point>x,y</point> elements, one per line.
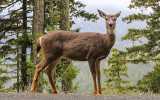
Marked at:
<point>38,96</point>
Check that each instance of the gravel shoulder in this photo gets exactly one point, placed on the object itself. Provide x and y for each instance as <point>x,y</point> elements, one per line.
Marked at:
<point>38,96</point>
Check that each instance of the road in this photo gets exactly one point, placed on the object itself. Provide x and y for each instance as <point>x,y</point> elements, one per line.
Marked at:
<point>38,96</point>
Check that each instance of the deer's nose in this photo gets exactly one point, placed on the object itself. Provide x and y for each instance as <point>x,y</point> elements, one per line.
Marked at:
<point>110,25</point>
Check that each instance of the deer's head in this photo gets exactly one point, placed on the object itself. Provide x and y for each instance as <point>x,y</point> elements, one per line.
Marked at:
<point>110,19</point>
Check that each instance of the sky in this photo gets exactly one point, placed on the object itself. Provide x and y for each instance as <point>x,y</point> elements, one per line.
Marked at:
<point>110,6</point>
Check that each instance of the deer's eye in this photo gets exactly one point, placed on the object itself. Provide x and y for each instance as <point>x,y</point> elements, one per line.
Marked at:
<point>106,19</point>
<point>114,19</point>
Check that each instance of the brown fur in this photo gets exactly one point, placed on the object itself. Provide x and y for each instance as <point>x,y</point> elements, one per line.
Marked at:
<point>87,46</point>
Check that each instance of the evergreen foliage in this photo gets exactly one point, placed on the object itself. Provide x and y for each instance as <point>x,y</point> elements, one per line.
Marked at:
<point>66,74</point>
<point>13,25</point>
<point>151,82</point>
<point>118,71</point>
<point>148,49</point>
<point>3,79</point>
<point>53,13</point>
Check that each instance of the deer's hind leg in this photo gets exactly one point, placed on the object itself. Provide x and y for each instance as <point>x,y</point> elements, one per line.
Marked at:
<point>93,72</point>
<point>49,70</point>
<point>98,76</point>
<point>39,68</point>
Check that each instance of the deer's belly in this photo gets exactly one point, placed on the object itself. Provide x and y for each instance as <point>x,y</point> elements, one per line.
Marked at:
<point>100,55</point>
<point>78,55</point>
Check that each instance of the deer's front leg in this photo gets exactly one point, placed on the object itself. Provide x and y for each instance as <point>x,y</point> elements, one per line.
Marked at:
<point>98,76</point>
<point>93,72</point>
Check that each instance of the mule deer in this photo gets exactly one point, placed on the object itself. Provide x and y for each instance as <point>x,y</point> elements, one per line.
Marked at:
<point>88,46</point>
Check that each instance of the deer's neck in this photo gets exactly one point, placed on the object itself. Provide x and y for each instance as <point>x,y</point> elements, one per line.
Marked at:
<point>111,31</point>
<point>111,36</point>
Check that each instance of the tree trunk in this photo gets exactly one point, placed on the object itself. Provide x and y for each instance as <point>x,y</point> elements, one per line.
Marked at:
<point>38,24</point>
<point>65,18</point>
<point>18,85</point>
<point>51,14</point>
<point>38,28</point>
<point>67,85</point>
<point>23,48</point>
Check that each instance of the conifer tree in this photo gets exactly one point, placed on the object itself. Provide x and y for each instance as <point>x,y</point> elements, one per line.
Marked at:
<point>65,25</point>
<point>116,73</point>
<point>3,79</point>
<point>148,50</point>
<point>38,28</point>
<point>145,51</point>
<point>13,27</point>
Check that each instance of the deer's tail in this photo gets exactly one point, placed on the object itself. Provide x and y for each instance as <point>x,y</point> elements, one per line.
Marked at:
<point>39,46</point>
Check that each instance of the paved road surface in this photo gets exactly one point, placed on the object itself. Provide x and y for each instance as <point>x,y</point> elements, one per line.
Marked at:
<point>37,96</point>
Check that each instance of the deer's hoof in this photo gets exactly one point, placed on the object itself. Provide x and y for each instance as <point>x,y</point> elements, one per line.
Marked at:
<point>55,92</point>
<point>96,92</point>
<point>33,91</point>
<point>100,92</point>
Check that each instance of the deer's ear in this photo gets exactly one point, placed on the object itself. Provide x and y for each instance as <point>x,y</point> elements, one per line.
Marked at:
<point>118,14</point>
<point>101,14</point>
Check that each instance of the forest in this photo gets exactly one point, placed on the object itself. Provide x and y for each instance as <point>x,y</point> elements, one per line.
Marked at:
<point>133,65</point>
